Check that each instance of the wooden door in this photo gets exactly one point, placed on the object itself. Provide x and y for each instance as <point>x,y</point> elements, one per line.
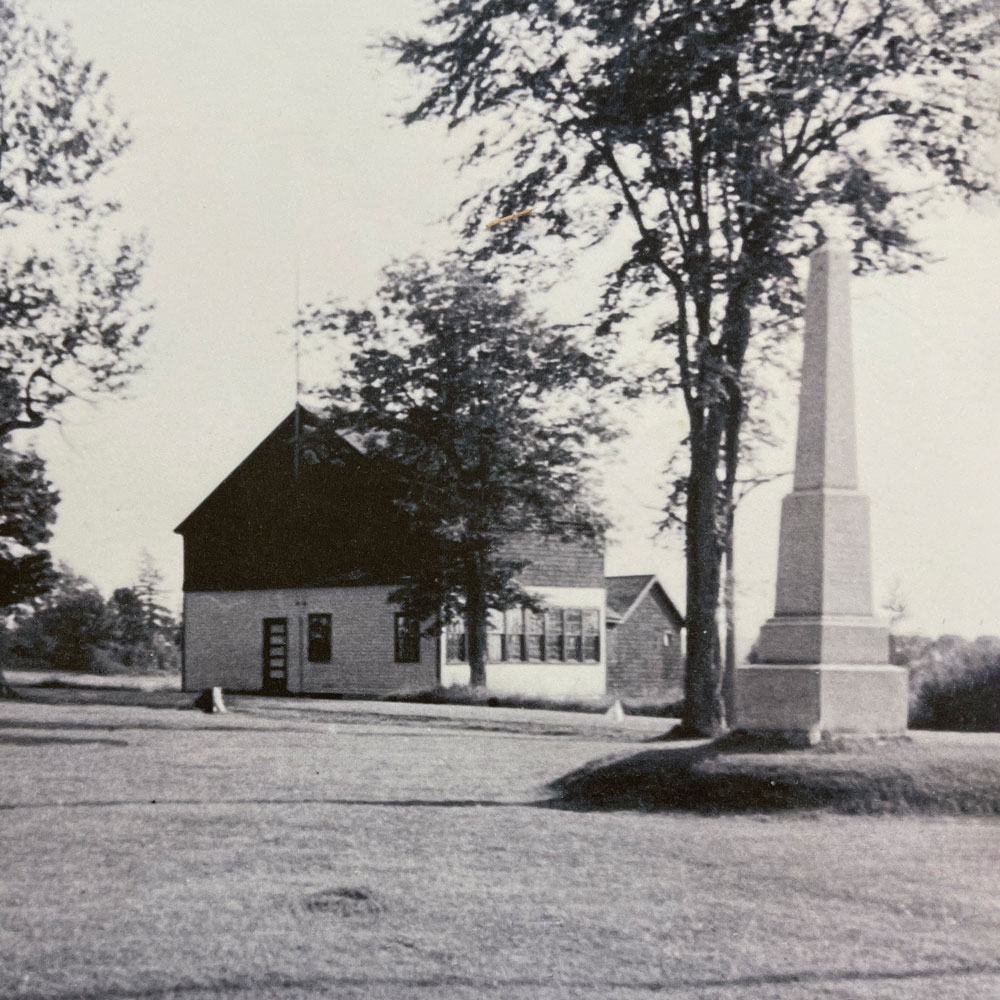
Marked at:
<point>275,655</point>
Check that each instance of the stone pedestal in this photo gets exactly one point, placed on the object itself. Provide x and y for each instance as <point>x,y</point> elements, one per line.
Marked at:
<point>803,702</point>
<point>824,658</point>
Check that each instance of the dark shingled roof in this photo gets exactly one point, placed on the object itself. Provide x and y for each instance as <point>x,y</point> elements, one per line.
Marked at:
<point>623,592</point>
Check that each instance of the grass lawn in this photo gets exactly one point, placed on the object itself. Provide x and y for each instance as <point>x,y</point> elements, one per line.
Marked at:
<point>293,852</point>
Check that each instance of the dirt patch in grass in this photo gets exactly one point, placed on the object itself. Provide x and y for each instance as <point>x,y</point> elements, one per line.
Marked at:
<point>343,902</point>
<point>729,776</point>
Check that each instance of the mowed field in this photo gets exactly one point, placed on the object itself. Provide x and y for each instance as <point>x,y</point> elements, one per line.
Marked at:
<point>293,850</point>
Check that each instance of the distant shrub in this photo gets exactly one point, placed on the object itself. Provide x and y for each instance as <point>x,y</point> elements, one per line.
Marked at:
<point>104,662</point>
<point>954,683</point>
<point>72,628</point>
<point>157,655</point>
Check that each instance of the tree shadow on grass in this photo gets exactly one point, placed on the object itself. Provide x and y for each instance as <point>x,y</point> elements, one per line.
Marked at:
<point>64,693</point>
<point>61,725</point>
<point>679,779</point>
<point>274,985</point>
<point>730,776</point>
<point>28,740</point>
<point>281,801</point>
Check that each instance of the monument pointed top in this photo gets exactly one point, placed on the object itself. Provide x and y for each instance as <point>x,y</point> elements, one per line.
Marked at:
<point>833,245</point>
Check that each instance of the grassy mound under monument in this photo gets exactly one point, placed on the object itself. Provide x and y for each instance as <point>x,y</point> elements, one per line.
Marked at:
<point>937,776</point>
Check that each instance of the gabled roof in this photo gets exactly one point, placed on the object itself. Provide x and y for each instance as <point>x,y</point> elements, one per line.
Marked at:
<point>625,593</point>
<point>280,442</point>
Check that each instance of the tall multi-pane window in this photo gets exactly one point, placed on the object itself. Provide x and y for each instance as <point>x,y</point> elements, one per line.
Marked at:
<point>320,638</point>
<point>513,635</point>
<point>455,652</point>
<point>573,634</point>
<point>591,634</point>
<point>534,631</point>
<point>494,637</point>
<point>407,639</point>
<point>553,634</point>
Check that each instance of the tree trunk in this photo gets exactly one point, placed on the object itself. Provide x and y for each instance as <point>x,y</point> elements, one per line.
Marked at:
<point>729,655</point>
<point>703,715</point>
<point>734,423</point>
<point>476,619</point>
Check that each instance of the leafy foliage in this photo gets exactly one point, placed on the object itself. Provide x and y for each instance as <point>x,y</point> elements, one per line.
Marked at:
<point>27,508</point>
<point>70,317</point>
<point>954,683</point>
<point>66,626</point>
<point>148,590</point>
<point>732,137</point>
<point>478,418</point>
<point>69,314</point>
<point>69,626</point>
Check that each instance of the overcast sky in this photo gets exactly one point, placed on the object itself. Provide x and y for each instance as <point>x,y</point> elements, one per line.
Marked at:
<point>262,152</point>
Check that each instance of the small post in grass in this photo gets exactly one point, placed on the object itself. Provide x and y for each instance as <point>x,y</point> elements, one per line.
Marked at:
<point>210,700</point>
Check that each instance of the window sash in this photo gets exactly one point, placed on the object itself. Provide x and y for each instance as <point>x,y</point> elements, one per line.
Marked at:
<point>591,652</point>
<point>406,639</point>
<point>513,638</point>
<point>455,649</point>
<point>553,644</point>
<point>320,638</point>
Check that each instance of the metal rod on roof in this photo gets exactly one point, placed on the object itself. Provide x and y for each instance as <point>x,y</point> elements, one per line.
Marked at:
<point>298,377</point>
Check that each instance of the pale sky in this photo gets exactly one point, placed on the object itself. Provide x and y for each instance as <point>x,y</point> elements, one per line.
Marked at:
<point>262,150</point>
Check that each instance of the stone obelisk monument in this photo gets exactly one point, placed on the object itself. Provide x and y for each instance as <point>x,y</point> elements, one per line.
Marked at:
<point>823,659</point>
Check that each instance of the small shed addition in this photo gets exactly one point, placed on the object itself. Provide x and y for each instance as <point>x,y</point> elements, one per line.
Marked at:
<point>645,658</point>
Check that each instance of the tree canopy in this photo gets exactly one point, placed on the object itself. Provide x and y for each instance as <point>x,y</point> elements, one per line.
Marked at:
<point>732,137</point>
<point>480,419</point>
<point>27,509</point>
<point>70,316</point>
<point>71,319</point>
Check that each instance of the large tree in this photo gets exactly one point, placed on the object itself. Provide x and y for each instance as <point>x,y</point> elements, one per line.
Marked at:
<point>70,319</point>
<point>480,419</point>
<point>728,135</point>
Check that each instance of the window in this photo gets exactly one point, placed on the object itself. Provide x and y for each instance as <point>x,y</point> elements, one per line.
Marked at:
<point>554,635</point>
<point>668,638</point>
<point>455,652</point>
<point>513,635</point>
<point>494,637</point>
<point>591,634</point>
<point>320,632</point>
<point>407,639</point>
<point>534,631</point>
<point>573,634</point>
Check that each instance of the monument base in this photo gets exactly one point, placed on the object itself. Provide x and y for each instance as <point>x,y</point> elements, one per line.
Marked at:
<point>798,639</point>
<point>804,702</point>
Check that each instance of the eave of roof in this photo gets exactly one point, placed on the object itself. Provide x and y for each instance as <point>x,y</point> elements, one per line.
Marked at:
<point>286,425</point>
<point>648,581</point>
